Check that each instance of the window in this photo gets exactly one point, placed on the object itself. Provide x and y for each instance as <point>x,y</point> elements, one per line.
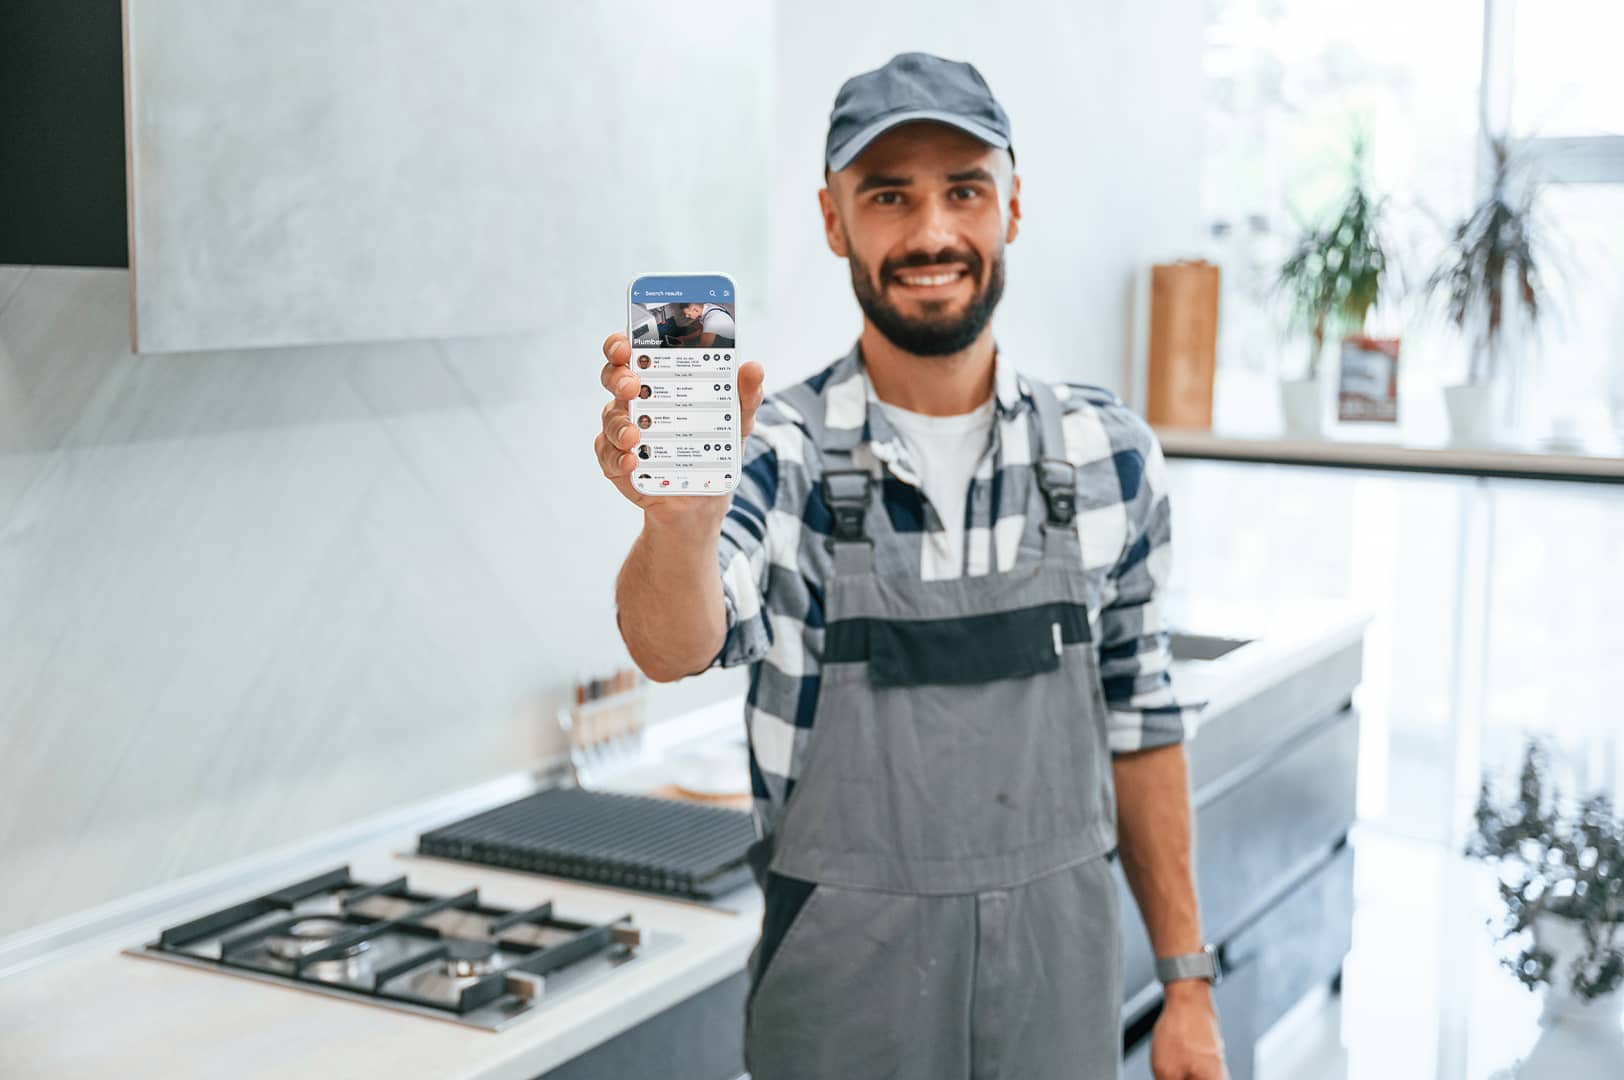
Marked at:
<point>1552,78</point>
<point>1288,83</point>
<point>1564,71</point>
<point>1577,378</point>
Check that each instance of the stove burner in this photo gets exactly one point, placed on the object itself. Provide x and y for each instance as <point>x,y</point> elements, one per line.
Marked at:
<point>464,964</point>
<point>470,959</point>
<point>308,935</point>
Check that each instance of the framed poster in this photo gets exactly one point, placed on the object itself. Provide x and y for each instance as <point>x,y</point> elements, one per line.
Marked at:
<point>1367,385</point>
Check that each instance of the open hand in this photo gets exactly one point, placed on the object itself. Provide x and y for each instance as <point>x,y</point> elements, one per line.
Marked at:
<point>615,444</point>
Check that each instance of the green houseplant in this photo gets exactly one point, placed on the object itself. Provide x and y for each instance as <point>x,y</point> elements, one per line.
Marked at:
<point>1562,879</point>
<point>1331,280</point>
<point>1491,270</point>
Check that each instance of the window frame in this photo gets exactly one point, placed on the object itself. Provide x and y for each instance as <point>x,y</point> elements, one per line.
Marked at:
<point>1553,159</point>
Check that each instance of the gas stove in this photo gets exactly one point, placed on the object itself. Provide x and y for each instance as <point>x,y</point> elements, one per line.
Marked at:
<point>449,957</point>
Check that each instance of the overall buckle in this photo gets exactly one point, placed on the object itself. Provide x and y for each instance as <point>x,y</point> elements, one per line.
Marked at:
<point>1057,479</point>
<point>846,491</point>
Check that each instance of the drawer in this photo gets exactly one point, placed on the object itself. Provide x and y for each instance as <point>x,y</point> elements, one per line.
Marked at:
<point>1262,834</point>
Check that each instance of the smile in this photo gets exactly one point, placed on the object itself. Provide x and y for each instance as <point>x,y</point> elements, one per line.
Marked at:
<point>933,279</point>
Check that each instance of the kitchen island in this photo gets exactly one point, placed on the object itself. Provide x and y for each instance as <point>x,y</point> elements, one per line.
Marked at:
<point>1273,776</point>
<point>1278,740</point>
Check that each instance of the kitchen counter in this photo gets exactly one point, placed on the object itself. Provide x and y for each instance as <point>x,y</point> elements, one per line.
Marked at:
<point>72,1003</point>
<point>79,1006</point>
<point>1228,651</point>
<point>1273,769</point>
<point>104,1013</point>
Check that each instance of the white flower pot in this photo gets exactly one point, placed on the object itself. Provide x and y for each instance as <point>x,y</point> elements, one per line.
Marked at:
<point>1471,413</point>
<point>1577,1037</point>
<point>1564,939</point>
<point>1301,408</point>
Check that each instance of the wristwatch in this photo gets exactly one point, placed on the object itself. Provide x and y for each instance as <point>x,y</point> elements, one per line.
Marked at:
<point>1200,965</point>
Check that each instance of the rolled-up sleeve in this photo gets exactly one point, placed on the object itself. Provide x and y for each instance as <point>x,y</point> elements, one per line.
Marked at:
<point>742,555</point>
<point>1145,709</point>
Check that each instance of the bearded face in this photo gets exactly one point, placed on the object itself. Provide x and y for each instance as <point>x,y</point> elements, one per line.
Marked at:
<point>922,217</point>
<point>929,325</point>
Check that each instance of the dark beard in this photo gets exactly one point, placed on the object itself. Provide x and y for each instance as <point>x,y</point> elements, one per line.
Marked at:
<point>940,336</point>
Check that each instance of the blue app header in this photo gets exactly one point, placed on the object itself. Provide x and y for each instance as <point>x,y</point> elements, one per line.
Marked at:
<point>683,289</point>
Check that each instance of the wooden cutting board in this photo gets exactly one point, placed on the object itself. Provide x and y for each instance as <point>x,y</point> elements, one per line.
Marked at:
<point>1183,350</point>
<point>672,791</point>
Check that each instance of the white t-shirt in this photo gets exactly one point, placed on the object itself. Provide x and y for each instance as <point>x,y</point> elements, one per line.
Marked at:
<point>945,451</point>
<point>716,320</point>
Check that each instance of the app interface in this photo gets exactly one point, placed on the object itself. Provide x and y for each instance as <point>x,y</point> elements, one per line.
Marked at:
<point>684,331</point>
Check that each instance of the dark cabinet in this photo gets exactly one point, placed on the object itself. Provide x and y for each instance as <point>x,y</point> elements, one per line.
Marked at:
<point>62,134</point>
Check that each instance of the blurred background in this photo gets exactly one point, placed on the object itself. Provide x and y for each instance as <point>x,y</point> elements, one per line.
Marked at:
<point>300,316</point>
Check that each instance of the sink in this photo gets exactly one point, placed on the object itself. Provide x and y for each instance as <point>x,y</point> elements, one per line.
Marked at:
<point>1195,676</point>
<point>1203,646</point>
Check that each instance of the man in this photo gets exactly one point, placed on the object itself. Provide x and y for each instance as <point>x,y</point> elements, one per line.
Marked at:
<point>709,324</point>
<point>945,577</point>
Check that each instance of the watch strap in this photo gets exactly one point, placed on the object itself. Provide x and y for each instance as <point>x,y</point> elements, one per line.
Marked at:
<point>1201,965</point>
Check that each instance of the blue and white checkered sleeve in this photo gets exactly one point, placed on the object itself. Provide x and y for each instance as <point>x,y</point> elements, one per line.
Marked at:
<point>1135,659</point>
<point>742,552</point>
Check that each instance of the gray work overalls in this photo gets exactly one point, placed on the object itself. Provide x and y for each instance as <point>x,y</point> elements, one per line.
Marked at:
<point>939,896</point>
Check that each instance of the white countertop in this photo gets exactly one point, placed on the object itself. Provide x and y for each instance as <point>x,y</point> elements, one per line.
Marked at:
<point>1282,638</point>
<point>104,1013</point>
<point>89,1009</point>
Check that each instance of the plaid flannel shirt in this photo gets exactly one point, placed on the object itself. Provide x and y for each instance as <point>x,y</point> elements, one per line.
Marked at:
<point>774,563</point>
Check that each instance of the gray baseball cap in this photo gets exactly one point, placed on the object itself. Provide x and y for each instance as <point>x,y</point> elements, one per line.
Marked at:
<point>913,86</point>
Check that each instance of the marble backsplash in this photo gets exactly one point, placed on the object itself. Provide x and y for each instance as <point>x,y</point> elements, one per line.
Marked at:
<point>247,597</point>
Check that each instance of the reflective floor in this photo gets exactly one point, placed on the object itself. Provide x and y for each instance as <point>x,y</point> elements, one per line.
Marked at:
<point>1423,995</point>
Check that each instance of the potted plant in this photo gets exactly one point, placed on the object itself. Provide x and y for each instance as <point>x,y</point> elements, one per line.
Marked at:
<point>1562,882</point>
<point>1331,280</point>
<point>1491,269</point>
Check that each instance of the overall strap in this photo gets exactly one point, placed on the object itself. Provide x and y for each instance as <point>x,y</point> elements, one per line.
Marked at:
<point>848,492</point>
<point>1056,475</point>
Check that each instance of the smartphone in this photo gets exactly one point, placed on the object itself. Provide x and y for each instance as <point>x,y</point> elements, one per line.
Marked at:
<point>684,334</point>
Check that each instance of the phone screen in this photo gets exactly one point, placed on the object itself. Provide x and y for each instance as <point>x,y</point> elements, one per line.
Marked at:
<point>684,333</point>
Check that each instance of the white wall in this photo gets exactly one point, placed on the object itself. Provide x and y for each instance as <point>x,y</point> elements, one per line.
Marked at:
<point>1104,102</point>
<point>247,595</point>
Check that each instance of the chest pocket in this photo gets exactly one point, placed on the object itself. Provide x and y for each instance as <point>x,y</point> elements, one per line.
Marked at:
<point>959,651</point>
